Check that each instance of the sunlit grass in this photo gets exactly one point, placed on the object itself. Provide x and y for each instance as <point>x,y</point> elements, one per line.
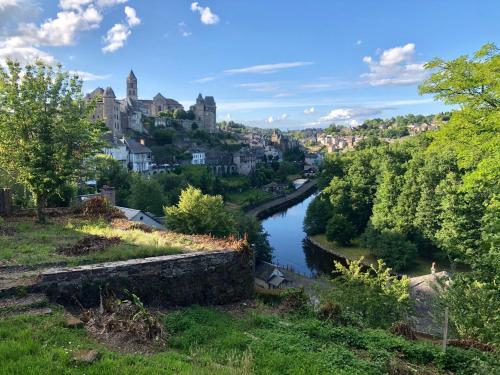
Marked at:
<point>34,243</point>
<point>209,341</point>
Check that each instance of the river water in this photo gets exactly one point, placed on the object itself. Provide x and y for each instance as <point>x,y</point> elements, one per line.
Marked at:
<point>286,236</point>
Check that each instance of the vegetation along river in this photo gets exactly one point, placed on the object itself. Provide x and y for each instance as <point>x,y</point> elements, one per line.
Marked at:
<point>286,236</point>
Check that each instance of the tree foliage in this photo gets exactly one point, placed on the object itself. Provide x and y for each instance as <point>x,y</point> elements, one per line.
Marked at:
<point>45,132</point>
<point>198,213</point>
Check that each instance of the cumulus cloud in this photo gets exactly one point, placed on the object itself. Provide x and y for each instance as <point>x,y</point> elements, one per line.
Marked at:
<point>309,111</point>
<point>24,43</point>
<point>117,36</point>
<point>132,18</point>
<point>348,115</point>
<point>268,68</point>
<point>206,15</point>
<point>394,67</point>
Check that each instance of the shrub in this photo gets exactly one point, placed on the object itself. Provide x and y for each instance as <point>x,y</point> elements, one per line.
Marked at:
<point>99,207</point>
<point>372,296</point>
<point>198,213</point>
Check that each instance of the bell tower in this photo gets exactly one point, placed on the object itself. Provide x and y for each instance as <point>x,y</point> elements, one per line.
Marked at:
<point>132,86</point>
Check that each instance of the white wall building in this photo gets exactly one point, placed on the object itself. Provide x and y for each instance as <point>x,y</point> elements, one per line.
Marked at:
<point>198,158</point>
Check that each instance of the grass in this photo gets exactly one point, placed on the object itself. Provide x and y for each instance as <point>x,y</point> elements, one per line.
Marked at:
<point>209,341</point>
<point>249,197</point>
<point>421,266</point>
<point>34,243</point>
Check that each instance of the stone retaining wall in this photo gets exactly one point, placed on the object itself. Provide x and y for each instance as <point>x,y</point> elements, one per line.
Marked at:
<point>203,278</point>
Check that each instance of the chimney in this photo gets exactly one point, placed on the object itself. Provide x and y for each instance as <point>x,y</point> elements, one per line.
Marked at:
<point>142,142</point>
<point>109,194</point>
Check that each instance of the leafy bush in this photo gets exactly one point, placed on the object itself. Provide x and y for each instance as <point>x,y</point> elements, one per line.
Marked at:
<point>198,213</point>
<point>374,295</point>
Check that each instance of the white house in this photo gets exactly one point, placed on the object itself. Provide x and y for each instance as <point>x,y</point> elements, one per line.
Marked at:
<point>140,217</point>
<point>117,149</point>
<point>140,157</point>
<point>198,158</point>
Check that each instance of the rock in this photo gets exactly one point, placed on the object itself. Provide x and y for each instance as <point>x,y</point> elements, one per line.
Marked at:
<point>72,321</point>
<point>86,356</point>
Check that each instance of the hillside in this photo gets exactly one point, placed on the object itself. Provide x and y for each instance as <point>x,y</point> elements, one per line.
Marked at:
<point>246,338</point>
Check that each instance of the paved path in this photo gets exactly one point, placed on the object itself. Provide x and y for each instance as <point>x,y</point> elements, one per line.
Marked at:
<point>282,202</point>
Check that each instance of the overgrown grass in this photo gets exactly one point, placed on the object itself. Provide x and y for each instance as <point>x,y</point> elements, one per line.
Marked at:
<point>206,340</point>
<point>34,243</point>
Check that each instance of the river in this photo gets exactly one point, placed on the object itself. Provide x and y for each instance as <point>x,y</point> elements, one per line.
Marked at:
<point>286,236</point>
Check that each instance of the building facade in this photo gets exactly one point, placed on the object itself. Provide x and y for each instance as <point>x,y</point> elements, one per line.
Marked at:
<point>121,115</point>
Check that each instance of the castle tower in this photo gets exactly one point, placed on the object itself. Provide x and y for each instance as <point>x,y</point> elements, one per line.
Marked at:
<point>111,112</point>
<point>132,86</point>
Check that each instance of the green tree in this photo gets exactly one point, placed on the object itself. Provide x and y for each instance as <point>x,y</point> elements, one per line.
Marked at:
<point>198,213</point>
<point>318,213</point>
<point>340,229</point>
<point>145,194</point>
<point>46,137</point>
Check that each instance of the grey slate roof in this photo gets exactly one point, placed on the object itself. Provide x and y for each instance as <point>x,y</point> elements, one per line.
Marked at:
<point>209,100</point>
<point>109,93</point>
<point>136,148</point>
<point>131,76</point>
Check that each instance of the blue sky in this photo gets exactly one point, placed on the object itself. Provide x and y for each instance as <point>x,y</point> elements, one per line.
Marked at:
<point>286,64</point>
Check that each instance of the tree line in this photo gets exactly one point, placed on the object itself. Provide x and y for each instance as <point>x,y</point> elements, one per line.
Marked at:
<point>436,195</point>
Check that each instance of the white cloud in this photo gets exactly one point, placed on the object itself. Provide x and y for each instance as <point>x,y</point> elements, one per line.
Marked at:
<point>268,68</point>
<point>25,42</point>
<point>86,76</point>
<point>204,79</point>
<point>132,18</point>
<point>206,15</point>
<point>117,36</point>
<point>359,42</point>
<point>183,31</point>
<point>309,111</point>
<point>347,115</point>
<point>395,67</point>
<point>397,55</point>
<point>261,86</point>
<point>282,117</point>
<point>110,3</point>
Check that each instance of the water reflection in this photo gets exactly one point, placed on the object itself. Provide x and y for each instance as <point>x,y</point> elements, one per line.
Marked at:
<point>286,236</point>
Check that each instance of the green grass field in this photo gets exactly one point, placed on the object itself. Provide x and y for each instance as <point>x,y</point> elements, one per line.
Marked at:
<point>210,341</point>
<point>33,243</point>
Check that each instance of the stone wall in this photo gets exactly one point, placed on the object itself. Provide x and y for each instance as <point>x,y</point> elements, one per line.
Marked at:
<point>203,278</point>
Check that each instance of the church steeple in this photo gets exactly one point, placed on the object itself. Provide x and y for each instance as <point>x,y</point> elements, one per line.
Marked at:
<point>132,86</point>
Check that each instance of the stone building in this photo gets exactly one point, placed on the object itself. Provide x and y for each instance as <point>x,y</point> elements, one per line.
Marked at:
<point>120,115</point>
<point>205,112</point>
<point>107,109</point>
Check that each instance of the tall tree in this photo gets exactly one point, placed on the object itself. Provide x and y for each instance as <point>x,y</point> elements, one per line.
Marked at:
<point>45,132</point>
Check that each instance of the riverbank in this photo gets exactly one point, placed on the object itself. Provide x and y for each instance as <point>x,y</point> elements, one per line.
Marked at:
<point>267,209</point>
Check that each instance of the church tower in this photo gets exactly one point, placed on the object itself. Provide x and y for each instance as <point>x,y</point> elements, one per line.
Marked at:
<point>132,86</point>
